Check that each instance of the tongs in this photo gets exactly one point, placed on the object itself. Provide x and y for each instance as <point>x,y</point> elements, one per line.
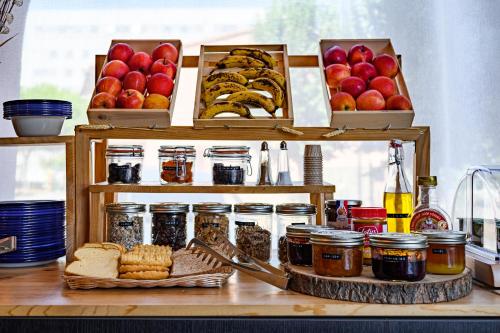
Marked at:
<point>252,266</point>
<point>8,244</point>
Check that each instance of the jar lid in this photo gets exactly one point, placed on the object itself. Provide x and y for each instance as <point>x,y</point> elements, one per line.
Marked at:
<point>211,207</point>
<point>337,237</point>
<point>444,236</point>
<point>228,152</point>
<point>396,240</point>
<point>125,150</point>
<point>169,207</point>
<point>348,202</point>
<point>172,151</point>
<point>125,207</point>
<point>250,207</point>
<point>296,209</point>
<point>302,230</point>
<point>427,180</point>
<point>368,212</point>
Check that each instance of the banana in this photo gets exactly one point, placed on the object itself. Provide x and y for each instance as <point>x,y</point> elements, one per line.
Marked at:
<point>253,73</point>
<point>221,89</point>
<point>241,61</point>
<point>254,98</point>
<point>257,54</point>
<point>224,77</point>
<point>270,86</point>
<point>226,106</point>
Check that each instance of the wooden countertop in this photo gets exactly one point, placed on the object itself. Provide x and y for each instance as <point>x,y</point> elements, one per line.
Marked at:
<point>41,292</point>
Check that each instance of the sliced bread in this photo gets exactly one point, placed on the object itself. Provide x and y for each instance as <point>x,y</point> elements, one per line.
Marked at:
<point>95,262</point>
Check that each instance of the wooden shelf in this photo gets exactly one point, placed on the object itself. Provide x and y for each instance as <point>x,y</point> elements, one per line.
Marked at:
<point>209,188</point>
<point>36,140</point>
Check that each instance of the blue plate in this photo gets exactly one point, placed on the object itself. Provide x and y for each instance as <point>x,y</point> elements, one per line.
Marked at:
<point>23,203</point>
<point>41,246</point>
<point>30,221</point>
<point>37,213</point>
<point>32,232</point>
<point>36,101</point>
<point>42,257</point>
<point>22,254</point>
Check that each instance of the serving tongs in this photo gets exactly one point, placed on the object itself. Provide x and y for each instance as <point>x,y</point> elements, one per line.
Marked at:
<point>8,244</point>
<point>251,266</point>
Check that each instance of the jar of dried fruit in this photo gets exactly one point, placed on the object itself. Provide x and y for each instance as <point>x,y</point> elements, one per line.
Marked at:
<point>125,223</point>
<point>230,164</point>
<point>124,164</point>
<point>254,229</point>
<point>211,221</point>
<point>176,164</point>
<point>169,224</point>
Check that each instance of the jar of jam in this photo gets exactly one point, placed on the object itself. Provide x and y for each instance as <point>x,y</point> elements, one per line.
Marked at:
<point>338,213</point>
<point>446,251</point>
<point>298,245</point>
<point>369,220</point>
<point>399,256</point>
<point>337,252</point>
<point>176,164</point>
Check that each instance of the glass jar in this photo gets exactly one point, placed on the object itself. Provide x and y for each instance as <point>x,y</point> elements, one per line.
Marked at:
<point>337,252</point>
<point>168,224</point>
<point>398,256</point>
<point>298,245</point>
<point>176,164</point>
<point>338,213</point>
<point>446,251</point>
<point>254,229</point>
<point>211,221</point>
<point>230,164</point>
<point>125,223</point>
<point>292,214</point>
<point>477,231</point>
<point>124,164</point>
<point>369,220</point>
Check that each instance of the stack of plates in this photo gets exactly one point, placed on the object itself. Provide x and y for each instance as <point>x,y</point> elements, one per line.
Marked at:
<point>39,227</point>
<point>313,165</point>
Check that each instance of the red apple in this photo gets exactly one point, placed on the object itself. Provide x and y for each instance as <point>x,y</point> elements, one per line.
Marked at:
<point>335,55</point>
<point>398,102</point>
<point>165,50</point>
<point>140,61</point>
<point>120,51</point>
<point>130,99</point>
<point>164,66</point>
<point>336,73</point>
<point>370,100</point>
<point>364,70</point>
<point>359,53</point>
<point>342,101</point>
<point>115,68</point>
<point>353,85</point>
<point>135,80</point>
<point>161,84</point>
<point>386,65</point>
<point>110,85</point>
<point>383,85</point>
<point>103,100</point>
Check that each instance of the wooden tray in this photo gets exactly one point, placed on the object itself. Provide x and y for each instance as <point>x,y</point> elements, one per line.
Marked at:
<point>209,55</point>
<point>396,119</point>
<point>367,289</point>
<point>151,118</point>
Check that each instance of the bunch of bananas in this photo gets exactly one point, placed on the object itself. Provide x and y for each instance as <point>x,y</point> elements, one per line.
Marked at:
<point>256,73</point>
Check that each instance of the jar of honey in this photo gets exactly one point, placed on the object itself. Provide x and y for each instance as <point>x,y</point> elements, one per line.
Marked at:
<point>446,251</point>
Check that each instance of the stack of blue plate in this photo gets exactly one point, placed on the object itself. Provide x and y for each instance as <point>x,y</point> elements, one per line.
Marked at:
<point>36,107</point>
<point>40,230</point>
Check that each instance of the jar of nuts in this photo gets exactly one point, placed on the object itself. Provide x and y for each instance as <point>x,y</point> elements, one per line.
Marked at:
<point>211,220</point>
<point>169,224</point>
<point>125,223</point>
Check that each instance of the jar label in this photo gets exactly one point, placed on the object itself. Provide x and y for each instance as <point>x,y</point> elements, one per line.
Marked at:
<point>126,224</point>
<point>207,225</point>
<point>390,258</point>
<point>331,256</point>
<point>427,220</point>
<point>369,229</point>
<point>439,251</point>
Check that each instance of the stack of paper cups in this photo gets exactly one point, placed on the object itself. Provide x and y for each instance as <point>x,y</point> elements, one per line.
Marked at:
<point>313,165</point>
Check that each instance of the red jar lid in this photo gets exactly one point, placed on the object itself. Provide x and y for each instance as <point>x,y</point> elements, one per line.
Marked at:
<point>368,212</point>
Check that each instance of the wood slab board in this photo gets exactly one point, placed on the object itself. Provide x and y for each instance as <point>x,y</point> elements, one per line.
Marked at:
<point>365,119</point>
<point>367,289</point>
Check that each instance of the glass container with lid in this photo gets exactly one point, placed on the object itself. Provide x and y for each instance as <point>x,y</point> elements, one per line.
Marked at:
<point>125,223</point>
<point>211,221</point>
<point>369,221</point>
<point>299,248</point>
<point>446,251</point>
<point>254,229</point>
<point>230,164</point>
<point>337,252</point>
<point>338,213</point>
<point>399,256</point>
<point>169,224</point>
<point>176,164</point>
<point>124,164</point>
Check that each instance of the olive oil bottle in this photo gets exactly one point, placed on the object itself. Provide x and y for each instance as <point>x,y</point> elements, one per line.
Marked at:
<point>398,197</point>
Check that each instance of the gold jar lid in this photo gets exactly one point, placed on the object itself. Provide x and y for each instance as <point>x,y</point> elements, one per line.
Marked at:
<point>427,180</point>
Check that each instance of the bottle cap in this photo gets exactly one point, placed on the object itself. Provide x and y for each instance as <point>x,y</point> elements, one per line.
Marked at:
<point>368,212</point>
<point>427,180</point>
<point>283,145</point>
<point>264,146</point>
<point>396,143</point>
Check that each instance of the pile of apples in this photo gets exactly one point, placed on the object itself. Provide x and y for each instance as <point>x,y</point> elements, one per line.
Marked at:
<point>136,80</point>
<point>360,81</point>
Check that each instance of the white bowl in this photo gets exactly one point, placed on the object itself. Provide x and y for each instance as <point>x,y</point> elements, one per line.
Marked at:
<point>38,125</point>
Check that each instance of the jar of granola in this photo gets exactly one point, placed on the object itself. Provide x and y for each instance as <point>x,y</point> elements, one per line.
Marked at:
<point>211,221</point>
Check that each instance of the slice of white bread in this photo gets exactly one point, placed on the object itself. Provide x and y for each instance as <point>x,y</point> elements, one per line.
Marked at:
<point>106,245</point>
<point>95,262</point>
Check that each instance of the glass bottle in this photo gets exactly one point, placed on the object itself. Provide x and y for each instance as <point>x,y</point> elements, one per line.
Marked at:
<point>264,177</point>
<point>283,167</point>
<point>398,198</point>
<point>428,214</point>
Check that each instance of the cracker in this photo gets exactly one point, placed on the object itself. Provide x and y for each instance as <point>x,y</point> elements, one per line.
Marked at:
<point>148,255</point>
<point>145,275</point>
<point>141,268</point>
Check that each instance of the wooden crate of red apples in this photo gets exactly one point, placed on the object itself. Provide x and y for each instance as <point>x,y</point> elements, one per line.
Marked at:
<point>137,84</point>
<point>364,85</point>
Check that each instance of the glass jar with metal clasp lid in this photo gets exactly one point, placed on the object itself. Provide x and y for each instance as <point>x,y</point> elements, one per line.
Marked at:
<point>124,164</point>
<point>176,164</point>
<point>230,164</point>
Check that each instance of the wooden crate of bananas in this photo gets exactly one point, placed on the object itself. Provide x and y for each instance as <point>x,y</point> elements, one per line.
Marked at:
<point>243,86</point>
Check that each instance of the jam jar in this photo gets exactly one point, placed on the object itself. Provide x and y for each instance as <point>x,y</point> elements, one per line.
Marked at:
<point>369,220</point>
<point>399,256</point>
<point>168,224</point>
<point>176,164</point>
<point>337,252</point>
<point>446,251</point>
<point>338,213</point>
<point>211,221</point>
<point>299,248</point>
<point>230,164</point>
<point>124,164</point>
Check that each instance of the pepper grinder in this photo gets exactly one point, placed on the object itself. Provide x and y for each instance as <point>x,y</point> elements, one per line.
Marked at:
<point>264,177</point>
<point>283,167</point>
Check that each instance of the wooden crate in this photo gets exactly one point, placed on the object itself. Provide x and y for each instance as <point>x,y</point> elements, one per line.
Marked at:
<point>209,55</point>
<point>144,118</point>
<point>366,119</point>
